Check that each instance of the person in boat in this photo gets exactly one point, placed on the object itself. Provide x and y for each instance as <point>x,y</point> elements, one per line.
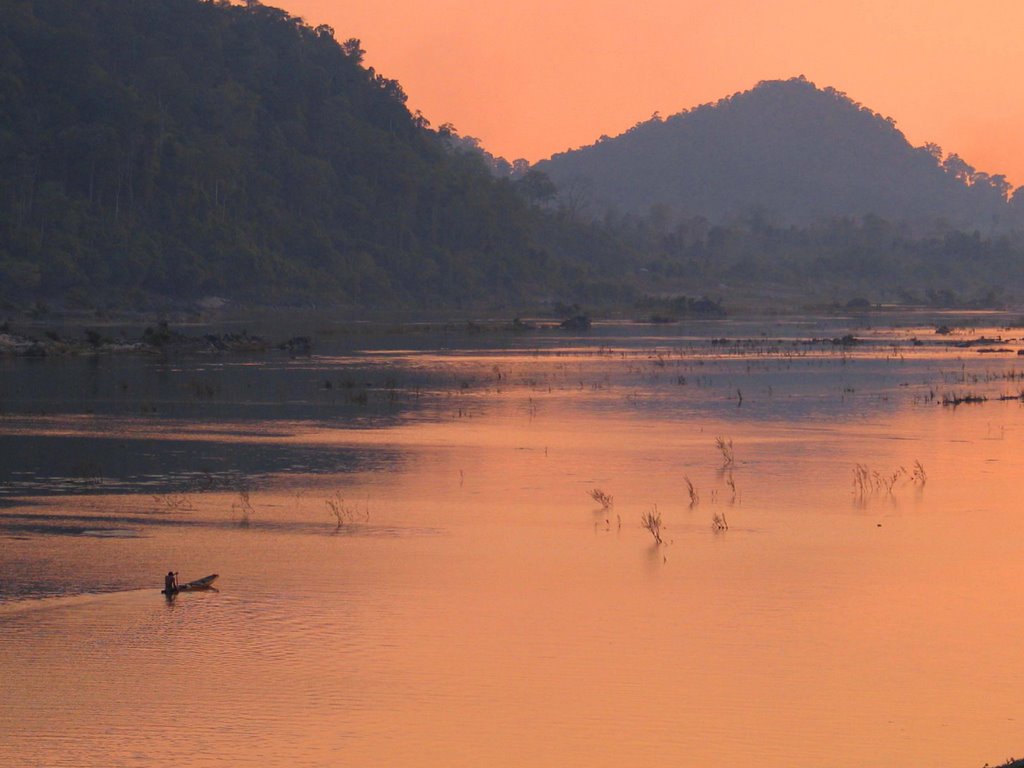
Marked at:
<point>171,583</point>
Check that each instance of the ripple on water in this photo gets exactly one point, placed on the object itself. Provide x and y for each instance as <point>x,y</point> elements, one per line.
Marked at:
<point>527,635</point>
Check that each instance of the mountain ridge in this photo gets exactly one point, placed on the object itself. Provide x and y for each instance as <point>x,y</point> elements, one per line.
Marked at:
<point>157,152</point>
<point>789,149</point>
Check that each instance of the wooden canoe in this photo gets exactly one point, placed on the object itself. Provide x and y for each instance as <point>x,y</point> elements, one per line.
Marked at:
<point>204,583</point>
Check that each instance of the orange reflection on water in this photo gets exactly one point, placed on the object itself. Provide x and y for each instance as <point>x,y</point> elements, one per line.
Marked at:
<point>486,611</point>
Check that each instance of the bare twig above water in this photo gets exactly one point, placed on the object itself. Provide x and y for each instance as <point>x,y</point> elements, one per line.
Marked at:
<point>868,482</point>
<point>651,521</point>
<point>244,508</point>
<point>954,399</point>
<point>692,490</point>
<point>174,502</point>
<point>343,513</point>
<point>729,481</point>
<point>725,448</point>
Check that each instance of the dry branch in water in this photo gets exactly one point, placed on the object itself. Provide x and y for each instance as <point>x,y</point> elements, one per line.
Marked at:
<point>652,522</point>
<point>725,448</point>
<point>174,502</point>
<point>692,490</point>
<point>868,482</point>
<point>602,498</point>
<point>244,507</point>
<point>342,512</point>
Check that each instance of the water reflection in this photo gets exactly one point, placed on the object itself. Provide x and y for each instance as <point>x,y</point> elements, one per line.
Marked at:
<point>90,464</point>
<point>483,611</point>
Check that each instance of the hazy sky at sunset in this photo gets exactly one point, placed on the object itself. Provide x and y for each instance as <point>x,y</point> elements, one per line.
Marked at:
<point>533,77</point>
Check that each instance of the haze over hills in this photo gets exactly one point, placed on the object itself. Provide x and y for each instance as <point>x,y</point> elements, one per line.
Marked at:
<point>174,149</point>
<point>788,150</point>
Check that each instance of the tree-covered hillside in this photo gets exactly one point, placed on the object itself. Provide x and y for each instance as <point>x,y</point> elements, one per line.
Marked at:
<point>787,150</point>
<point>183,148</point>
<point>159,150</point>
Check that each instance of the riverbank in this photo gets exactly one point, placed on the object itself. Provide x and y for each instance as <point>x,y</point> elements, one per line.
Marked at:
<point>226,329</point>
<point>153,340</point>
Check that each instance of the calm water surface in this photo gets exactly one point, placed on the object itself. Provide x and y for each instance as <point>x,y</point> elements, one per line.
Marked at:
<point>477,607</point>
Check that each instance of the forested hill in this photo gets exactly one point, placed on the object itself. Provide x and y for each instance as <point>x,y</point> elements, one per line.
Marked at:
<point>186,148</point>
<point>787,150</point>
<point>175,149</point>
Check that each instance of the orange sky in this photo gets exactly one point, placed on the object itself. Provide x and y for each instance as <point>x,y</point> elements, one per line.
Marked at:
<point>533,77</point>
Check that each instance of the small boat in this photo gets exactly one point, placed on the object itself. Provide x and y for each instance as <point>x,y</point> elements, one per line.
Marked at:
<point>204,583</point>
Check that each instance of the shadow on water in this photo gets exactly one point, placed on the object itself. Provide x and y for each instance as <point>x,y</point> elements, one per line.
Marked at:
<point>353,392</point>
<point>19,525</point>
<point>55,464</point>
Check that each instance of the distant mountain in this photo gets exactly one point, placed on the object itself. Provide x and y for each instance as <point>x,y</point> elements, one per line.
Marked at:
<point>786,150</point>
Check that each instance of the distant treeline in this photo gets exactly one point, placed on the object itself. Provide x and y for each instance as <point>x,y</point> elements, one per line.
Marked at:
<point>174,149</point>
<point>840,257</point>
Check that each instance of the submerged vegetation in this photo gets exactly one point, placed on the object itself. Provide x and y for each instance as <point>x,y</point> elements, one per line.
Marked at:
<point>868,482</point>
<point>243,508</point>
<point>725,448</point>
<point>344,513</point>
<point>954,399</point>
<point>651,522</point>
<point>173,502</point>
<point>691,490</point>
<point>159,338</point>
<point>375,415</point>
<point>602,498</point>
